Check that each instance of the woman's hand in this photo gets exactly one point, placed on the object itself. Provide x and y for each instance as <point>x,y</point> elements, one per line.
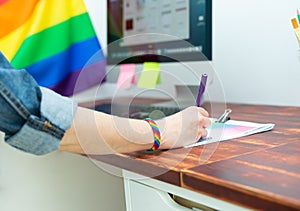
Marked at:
<point>183,128</point>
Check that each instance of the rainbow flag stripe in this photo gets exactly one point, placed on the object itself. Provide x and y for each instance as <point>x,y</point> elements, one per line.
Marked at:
<point>54,40</point>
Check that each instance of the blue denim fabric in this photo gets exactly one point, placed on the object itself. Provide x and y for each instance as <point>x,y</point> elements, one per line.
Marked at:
<point>33,119</point>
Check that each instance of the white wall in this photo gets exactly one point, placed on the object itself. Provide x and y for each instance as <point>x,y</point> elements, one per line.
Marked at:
<point>255,51</point>
<point>98,14</point>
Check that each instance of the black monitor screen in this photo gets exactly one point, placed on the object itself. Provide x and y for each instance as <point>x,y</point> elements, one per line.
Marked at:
<point>159,30</point>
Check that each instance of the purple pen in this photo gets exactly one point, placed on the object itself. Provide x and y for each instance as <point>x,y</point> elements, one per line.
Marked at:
<point>201,89</point>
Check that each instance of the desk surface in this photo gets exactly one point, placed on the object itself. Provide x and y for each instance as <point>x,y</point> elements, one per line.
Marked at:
<point>260,171</point>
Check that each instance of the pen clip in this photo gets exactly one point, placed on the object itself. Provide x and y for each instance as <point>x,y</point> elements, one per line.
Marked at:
<point>224,117</point>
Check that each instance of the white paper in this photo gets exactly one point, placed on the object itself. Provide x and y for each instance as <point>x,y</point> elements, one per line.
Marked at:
<point>232,129</point>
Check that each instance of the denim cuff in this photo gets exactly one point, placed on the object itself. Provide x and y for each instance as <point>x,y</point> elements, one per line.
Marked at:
<point>57,109</point>
<point>34,141</point>
<point>42,135</point>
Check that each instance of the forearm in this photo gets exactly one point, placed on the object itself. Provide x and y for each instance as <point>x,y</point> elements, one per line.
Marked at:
<point>94,132</point>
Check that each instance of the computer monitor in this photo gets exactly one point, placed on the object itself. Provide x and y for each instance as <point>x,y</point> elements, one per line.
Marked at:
<point>188,20</point>
<point>175,33</point>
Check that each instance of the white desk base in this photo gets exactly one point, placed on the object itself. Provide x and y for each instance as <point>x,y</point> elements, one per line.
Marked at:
<point>147,194</point>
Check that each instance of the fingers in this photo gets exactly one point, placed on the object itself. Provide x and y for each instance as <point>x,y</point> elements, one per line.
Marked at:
<point>202,133</point>
<point>203,119</point>
<point>203,122</point>
<point>202,111</point>
<point>194,121</point>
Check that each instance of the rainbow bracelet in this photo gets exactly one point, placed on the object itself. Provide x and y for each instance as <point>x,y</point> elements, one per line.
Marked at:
<point>156,134</point>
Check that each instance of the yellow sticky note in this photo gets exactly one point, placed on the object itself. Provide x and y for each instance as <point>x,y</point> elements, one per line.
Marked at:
<point>150,75</point>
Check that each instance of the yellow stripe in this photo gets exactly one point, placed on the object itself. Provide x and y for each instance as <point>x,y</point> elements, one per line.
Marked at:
<point>46,14</point>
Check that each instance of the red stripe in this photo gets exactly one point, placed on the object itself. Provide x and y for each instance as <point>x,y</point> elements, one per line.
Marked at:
<point>14,13</point>
<point>3,2</point>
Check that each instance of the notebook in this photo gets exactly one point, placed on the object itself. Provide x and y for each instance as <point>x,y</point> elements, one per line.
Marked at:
<point>232,129</point>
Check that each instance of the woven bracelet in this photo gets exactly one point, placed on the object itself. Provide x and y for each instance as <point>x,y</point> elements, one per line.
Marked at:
<point>156,134</point>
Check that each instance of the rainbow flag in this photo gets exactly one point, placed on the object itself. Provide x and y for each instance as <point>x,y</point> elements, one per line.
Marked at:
<point>54,40</point>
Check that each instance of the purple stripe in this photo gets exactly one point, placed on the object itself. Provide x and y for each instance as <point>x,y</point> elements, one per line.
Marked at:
<point>82,79</point>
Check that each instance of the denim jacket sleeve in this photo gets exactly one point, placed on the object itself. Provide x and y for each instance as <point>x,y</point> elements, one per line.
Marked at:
<point>34,119</point>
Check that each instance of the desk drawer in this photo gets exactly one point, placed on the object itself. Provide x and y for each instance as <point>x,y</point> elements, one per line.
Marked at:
<point>146,198</point>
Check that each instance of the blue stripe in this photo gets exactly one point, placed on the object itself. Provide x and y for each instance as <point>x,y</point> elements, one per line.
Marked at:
<point>54,69</point>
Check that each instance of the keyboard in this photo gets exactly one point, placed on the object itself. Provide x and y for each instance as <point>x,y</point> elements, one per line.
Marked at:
<point>137,111</point>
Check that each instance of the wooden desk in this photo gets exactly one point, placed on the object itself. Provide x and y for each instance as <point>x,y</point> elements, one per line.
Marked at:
<point>261,171</point>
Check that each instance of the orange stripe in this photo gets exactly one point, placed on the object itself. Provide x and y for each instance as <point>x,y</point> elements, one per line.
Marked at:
<point>14,13</point>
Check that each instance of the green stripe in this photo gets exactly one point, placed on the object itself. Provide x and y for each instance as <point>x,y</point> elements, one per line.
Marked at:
<point>53,40</point>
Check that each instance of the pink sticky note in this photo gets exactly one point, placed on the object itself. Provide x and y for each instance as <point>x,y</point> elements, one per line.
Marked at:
<point>126,76</point>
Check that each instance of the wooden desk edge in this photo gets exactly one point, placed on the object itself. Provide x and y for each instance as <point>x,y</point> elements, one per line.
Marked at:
<point>236,193</point>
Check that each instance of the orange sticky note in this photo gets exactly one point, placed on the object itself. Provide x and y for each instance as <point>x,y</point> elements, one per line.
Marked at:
<point>127,76</point>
